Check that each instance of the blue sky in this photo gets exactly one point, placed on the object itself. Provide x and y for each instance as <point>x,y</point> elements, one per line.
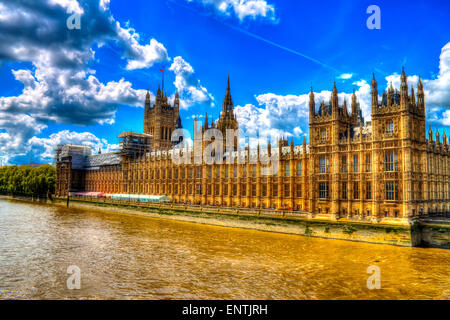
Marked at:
<point>88,85</point>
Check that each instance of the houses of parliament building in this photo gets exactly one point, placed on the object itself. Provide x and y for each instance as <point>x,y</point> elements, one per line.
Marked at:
<point>383,170</point>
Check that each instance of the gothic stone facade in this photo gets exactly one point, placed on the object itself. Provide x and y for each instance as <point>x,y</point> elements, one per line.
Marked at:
<point>383,170</point>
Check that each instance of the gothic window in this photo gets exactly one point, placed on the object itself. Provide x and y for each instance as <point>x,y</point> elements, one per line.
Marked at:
<point>286,190</point>
<point>217,172</point>
<point>209,172</point>
<point>323,190</point>
<point>286,169</point>
<point>244,171</point>
<point>299,190</point>
<point>225,190</point>
<point>323,135</point>
<point>355,190</point>
<point>344,164</point>
<point>234,171</point>
<point>234,190</point>
<point>253,190</point>
<point>299,168</point>
<point>253,171</point>
<point>243,190</point>
<point>368,163</point>
<point>390,126</point>
<point>368,190</point>
<point>226,172</point>
<point>275,190</point>
<point>355,163</point>
<point>264,190</point>
<point>391,189</point>
<point>344,190</point>
<point>390,161</point>
<point>323,162</point>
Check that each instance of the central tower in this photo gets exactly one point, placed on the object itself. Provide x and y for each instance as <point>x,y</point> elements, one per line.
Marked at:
<point>227,120</point>
<point>161,119</point>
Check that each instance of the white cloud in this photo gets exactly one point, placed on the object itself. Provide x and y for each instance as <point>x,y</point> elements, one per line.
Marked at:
<point>243,9</point>
<point>189,87</point>
<point>141,56</point>
<point>345,76</point>
<point>278,115</point>
<point>61,87</point>
<point>45,147</point>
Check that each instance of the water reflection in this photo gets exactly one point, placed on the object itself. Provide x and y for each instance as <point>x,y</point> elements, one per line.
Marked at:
<point>127,257</point>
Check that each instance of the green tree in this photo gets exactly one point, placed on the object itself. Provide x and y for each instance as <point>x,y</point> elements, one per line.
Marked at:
<point>28,180</point>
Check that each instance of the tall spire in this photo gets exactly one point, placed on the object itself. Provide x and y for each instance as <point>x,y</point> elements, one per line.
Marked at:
<point>334,102</point>
<point>344,108</point>
<point>312,106</point>
<point>176,101</point>
<point>374,92</point>
<point>420,96</point>
<point>206,125</point>
<point>354,106</point>
<point>403,89</point>
<point>413,97</point>
<point>227,106</point>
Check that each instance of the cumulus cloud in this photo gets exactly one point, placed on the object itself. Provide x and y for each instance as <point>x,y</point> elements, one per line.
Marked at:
<point>60,86</point>
<point>45,147</point>
<point>287,115</point>
<point>278,115</point>
<point>141,56</point>
<point>437,91</point>
<point>242,9</point>
<point>189,87</point>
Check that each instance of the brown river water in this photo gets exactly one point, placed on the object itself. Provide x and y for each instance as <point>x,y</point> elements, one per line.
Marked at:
<point>131,257</point>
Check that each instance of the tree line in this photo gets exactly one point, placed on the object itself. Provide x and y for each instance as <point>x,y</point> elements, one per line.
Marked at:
<point>28,180</point>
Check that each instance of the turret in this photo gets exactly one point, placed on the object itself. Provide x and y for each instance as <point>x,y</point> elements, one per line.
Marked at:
<point>444,139</point>
<point>334,102</point>
<point>158,94</point>
<point>389,95</point>
<point>403,90</point>
<point>312,106</point>
<point>430,135</point>
<point>354,107</point>
<point>374,92</point>
<point>438,137</point>
<point>176,102</point>
<point>147,102</point>
<point>206,124</point>
<point>420,96</point>
<point>413,98</point>
<point>344,108</point>
<point>322,108</point>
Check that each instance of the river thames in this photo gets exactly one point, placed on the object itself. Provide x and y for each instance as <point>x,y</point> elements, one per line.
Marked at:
<point>130,257</point>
